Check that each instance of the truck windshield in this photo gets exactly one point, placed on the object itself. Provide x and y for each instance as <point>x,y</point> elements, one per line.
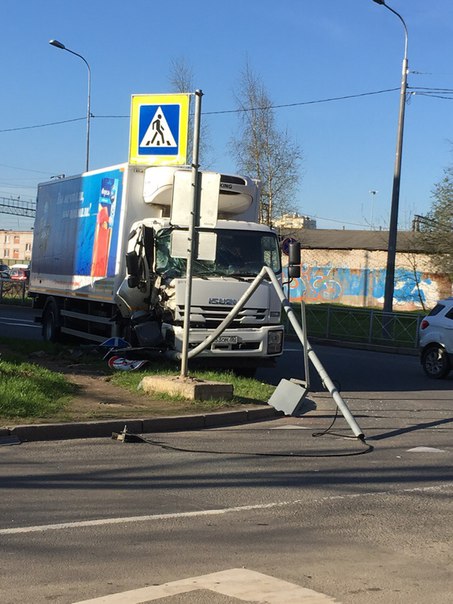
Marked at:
<point>239,254</point>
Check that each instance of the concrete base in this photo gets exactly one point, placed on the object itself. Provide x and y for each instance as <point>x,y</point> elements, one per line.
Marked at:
<point>189,388</point>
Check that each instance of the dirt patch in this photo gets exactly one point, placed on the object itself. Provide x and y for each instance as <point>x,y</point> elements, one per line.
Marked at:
<point>97,397</point>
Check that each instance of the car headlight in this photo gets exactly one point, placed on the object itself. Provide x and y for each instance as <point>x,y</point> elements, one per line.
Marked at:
<point>275,341</point>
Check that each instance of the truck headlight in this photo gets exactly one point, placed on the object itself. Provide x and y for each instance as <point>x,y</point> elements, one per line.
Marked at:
<point>275,342</point>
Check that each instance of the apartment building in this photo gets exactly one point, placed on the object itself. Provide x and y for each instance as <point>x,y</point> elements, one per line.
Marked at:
<point>15,246</point>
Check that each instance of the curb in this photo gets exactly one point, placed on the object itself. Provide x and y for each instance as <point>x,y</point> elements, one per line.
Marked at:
<point>105,428</point>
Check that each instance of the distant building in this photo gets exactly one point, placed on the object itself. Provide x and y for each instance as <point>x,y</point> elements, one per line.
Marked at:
<point>15,246</point>
<point>295,221</point>
<point>349,267</point>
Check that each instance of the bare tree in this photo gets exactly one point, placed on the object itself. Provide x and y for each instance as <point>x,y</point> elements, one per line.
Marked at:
<point>265,151</point>
<point>182,80</point>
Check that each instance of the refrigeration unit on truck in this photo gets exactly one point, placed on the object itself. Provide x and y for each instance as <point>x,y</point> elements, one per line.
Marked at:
<point>102,265</point>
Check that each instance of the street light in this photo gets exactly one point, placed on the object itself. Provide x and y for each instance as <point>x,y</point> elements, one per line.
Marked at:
<point>58,44</point>
<point>393,228</point>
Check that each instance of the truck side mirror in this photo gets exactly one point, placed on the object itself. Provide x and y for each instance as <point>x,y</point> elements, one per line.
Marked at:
<point>294,260</point>
<point>133,278</point>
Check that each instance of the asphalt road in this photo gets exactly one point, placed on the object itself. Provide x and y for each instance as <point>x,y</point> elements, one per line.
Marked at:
<point>18,322</point>
<point>268,508</point>
<point>355,370</point>
<point>284,511</point>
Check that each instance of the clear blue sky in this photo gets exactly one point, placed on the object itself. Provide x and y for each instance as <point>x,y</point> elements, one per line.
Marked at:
<point>304,50</point>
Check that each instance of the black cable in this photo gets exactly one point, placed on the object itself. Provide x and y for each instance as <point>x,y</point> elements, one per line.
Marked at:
<point>138,438</point>
<point>241,110</point>
<point>327,430</point>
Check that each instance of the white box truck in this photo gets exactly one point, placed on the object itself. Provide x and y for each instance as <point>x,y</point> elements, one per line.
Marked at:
<point>102,265</point>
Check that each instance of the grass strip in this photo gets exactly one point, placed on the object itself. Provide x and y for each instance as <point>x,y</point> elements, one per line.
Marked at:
<point>245,390</point>
<point>27,390</point>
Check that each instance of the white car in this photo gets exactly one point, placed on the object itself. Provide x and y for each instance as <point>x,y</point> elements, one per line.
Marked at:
<point>436,340</point>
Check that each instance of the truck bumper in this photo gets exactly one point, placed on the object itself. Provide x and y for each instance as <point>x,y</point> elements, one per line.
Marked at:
<point>257,343</point>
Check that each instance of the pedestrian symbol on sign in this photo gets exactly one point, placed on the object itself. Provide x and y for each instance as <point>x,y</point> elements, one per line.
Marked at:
<point>158,133</point>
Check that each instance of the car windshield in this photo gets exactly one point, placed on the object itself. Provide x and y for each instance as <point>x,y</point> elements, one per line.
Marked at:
<point>238,254</point>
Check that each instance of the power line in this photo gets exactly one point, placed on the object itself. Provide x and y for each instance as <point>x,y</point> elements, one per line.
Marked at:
<point>225,111</point>
<point>339,221</point>
<point>23,169</point>
<point>76,119</point>
<point>421,91</point>
<point>299,104</point>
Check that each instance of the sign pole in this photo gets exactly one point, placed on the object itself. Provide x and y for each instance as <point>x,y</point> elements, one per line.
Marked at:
<point>194,219</point>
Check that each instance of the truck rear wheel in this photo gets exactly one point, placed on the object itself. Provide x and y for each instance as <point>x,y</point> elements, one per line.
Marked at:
<point>51,322</point>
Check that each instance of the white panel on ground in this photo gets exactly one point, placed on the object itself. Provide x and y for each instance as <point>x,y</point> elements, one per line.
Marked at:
<point>288,397</point>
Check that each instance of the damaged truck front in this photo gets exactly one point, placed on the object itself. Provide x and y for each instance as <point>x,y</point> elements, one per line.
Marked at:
<point>104,266</point>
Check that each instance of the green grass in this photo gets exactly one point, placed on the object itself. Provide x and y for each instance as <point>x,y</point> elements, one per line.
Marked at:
<point>27,390</point>
<point>244,389</point>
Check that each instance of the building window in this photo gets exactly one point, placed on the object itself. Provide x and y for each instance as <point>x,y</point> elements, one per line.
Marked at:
<point>6,253</point>
<point>28,247</point>
<point>7,238</point>
<point>16,239</point>
<point>15,254</point>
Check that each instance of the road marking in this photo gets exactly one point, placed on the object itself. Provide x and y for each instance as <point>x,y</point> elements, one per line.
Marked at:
<point>240,583</point>
<point>18,322</point>
<point>425,450</point>
<point>216,512</point>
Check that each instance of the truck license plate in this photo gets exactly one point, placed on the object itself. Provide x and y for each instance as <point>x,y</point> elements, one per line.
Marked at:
<point>226,340</point>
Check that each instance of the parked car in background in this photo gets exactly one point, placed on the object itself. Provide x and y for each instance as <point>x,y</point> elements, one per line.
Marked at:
<point>19,273</point>
<point>436,340</point>
<point>4,271</point>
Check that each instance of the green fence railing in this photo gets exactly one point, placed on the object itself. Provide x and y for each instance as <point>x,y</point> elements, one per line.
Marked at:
<point>361,325</point>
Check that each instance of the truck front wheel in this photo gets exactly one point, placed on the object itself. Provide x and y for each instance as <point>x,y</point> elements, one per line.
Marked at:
<point>51,322</point>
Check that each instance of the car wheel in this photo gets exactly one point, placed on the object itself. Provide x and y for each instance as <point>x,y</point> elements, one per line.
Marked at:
<point>435,362</point>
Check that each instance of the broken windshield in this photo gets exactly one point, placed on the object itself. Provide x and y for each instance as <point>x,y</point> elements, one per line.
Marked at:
<point>238,254</point>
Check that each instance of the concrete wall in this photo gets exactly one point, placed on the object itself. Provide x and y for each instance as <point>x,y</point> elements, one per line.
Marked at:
<point>357,277</point>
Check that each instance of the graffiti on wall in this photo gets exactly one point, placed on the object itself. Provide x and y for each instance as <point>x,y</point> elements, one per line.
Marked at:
<point>361,287</point>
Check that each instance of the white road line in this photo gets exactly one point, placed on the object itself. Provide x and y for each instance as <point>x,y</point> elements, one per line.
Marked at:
<point>201,513</point>
<point>18,322</point>
<point>239,583</point>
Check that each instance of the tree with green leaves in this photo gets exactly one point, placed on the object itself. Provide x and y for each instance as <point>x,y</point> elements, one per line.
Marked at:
<point>264,150</point>
<point>437,226</point>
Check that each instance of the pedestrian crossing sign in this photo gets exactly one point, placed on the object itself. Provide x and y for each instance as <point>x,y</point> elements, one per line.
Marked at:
<point>158,129</point>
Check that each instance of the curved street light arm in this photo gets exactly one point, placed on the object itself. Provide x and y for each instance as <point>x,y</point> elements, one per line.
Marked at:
<point>58,44</point>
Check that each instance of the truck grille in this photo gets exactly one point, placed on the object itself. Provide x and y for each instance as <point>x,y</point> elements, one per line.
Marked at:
<point>210,317</point>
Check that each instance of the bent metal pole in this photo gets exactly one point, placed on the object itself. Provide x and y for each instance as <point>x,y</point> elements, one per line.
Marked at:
<point>342,406</point>
<point>266,271</point>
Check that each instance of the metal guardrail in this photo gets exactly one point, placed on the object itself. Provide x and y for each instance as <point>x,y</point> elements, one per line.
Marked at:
<point>362,325</point>
<point>13,291</point>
